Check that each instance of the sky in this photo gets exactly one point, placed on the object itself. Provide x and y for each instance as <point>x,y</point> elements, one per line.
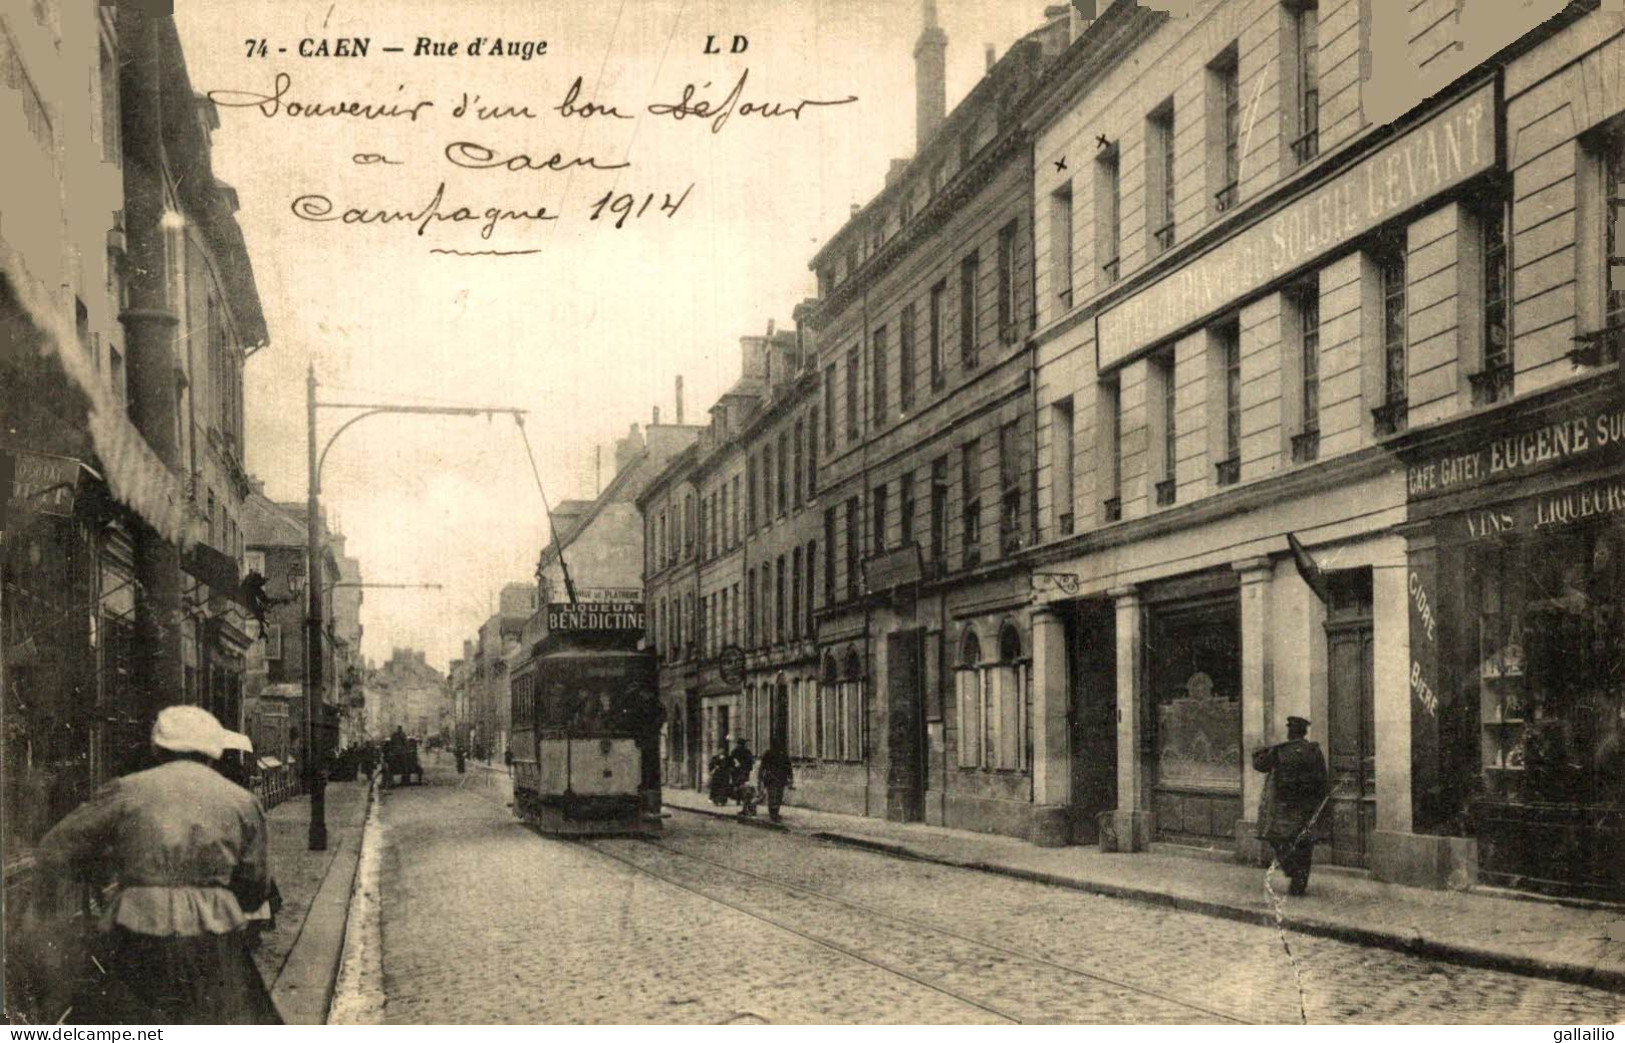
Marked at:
<point>589,331</point>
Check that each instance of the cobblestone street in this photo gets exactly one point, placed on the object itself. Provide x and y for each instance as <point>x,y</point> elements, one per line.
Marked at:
<point>485,921</point>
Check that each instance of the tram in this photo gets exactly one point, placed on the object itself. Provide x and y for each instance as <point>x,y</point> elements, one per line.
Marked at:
<point>586,728</point>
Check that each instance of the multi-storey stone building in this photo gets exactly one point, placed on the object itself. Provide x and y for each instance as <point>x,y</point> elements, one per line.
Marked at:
<point>925,480</point>
<point>704,515</point>
<point>1267,313</point>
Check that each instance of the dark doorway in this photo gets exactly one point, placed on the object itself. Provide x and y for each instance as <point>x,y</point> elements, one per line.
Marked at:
<point>1351,732</point>
<point>696,735</point>
<point>778,722</point>
<point>1091,641</point>
<point>905,767</point>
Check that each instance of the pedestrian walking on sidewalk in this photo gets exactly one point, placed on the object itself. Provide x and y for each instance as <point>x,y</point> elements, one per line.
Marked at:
<point>775,775</point>
<point>186,853</point>
<point>740,763</point>
<point>1294,795</point>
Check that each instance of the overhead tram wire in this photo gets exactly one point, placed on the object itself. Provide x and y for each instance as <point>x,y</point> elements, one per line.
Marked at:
<point>553,530</point>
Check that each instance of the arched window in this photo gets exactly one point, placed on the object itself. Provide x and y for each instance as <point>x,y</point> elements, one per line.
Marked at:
<point>848,728</point>
<point>971,697</point>
<point>1009,701</point>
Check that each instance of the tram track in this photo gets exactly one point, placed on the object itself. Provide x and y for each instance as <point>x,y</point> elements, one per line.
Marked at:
<point>909,935</point>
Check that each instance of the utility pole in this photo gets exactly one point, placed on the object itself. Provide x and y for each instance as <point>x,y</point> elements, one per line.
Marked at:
<point>315,781</point>
<point>315,778</point>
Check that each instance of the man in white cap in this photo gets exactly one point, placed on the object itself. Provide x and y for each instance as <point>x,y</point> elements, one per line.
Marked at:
<point>186,850</point>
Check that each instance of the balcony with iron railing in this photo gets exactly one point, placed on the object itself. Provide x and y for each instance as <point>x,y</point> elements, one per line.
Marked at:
<point>1306,146</point>
<point>1599,347</point>
<point>1226,197</point>
<point>1113,509</point>
<point>1065,524</point>
<point>1491,384</point>
<point>1164,237</point>
<point>1111,270</point>
<point>1390,417</point>
<point>1228,472</point>
<point>1306,445</point>
<point>1167,492</point>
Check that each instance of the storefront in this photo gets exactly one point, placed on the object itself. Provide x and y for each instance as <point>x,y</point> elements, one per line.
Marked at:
<point>1193,693</point>
<point>1518,641</point>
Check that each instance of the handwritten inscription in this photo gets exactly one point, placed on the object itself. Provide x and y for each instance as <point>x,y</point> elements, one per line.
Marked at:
<point>315,207</point>
<point>698,103</point>
<point>719,112</point>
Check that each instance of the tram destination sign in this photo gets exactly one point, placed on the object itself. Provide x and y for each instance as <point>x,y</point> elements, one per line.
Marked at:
<point>605,617</point>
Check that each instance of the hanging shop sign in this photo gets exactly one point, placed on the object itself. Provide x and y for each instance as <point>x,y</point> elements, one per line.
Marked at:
<point>41,484</point>
<point>1457,144</point>
<point>731,664</point>
<point>1582,433</point>
<point>600,618</point>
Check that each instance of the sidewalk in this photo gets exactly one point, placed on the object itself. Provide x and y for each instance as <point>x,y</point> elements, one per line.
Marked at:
<point>299,960</point>
<point>1545,939</point>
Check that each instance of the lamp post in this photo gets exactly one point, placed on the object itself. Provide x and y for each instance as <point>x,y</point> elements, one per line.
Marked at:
<point>315,780</point>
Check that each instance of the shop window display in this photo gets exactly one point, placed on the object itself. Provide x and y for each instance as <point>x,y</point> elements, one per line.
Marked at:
<point>1548,659</point>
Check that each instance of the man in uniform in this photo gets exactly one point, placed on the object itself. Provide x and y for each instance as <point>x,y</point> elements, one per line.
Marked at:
<point>1294,794</point>
<point>775,774</point>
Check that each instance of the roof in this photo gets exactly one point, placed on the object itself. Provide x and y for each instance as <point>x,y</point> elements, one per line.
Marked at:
<point>267,524</point>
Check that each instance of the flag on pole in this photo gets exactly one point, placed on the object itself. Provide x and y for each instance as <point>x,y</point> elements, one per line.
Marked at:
<point>1309,569</point>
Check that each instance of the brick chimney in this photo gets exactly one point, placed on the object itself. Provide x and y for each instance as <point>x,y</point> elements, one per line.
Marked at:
<point>930,77</point>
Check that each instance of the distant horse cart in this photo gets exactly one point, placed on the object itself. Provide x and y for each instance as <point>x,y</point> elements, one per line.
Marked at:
<point>401,763</point>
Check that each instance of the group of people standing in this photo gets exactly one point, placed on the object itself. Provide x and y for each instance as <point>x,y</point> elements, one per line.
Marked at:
<point>730,777</point>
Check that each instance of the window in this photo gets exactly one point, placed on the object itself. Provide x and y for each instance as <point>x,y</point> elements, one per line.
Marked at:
<point>688,526</point>
<point>877,362</point>
<point>1060,247</point>
<point>734,517</point>
<point>968,686</point>
<point>767,602</point>
<point>1493,382</point>
<point>853,364</point>
<point>1159,180</point>
<point>877,514</point>
<point>853,536</point>
<point>970,483</point>
<point>829,556</point>
<point>812,575</point>
<point>967,310</point>
<point>767,482</point>
<point>1009,307</point>
<point>1224,135</point>
<point>1390,415</point>
<point>939,294</point>
<point>1614,243</point>
<point>273,641</point>
<point>784,473</point>
<point>851,738</point>
<point>1162,372</point>
<point>812,453</point>
<point>905,509</point>
<point>939,508</point>
<point>733,627</point>
<point>108,80</point>
<point>1062,448</point>
<point>829,408</point>
<point>750,607</point>
<point>1227,342</point>
<point>795,593</point>
<point>1012,468</point>
<point>1306,444</point>
<point>1108,213</point>
<point>905,359</point>
<point>795,483</point>
<point>1304,25</point>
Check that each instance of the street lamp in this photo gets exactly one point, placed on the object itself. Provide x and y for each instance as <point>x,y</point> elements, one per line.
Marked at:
<point>315,782</point>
